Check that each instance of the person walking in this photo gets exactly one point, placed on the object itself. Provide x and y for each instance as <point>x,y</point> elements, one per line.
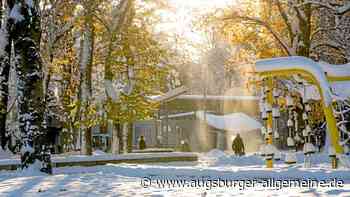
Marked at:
<point>238,145</point>
<point>142,143</point>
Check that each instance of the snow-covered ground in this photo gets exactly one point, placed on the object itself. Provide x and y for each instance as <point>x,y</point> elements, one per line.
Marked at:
<point>127,179</point>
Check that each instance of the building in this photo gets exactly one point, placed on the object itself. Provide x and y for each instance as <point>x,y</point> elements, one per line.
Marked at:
<point>205,122</point>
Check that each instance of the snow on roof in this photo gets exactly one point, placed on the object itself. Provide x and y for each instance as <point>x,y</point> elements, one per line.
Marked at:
<point>341,89</point>
<point>235,122</point>
<point>213,97</point>
<point>209,97</point>
<point>178,115</point>
<point>169,95</point>
<point>302,63</point>
<point>342,70</point>
<point>345,8</point>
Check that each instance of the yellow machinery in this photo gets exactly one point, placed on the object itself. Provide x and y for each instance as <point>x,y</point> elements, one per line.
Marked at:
<point>315,74</point>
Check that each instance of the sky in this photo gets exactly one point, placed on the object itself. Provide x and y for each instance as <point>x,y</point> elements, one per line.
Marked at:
<point>180,19</point>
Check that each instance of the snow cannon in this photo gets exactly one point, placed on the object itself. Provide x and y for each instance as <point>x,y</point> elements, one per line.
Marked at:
<point>276,112</point>
<point>276,135</point>
<point>277,155</point>
<point>262,151</point>
<point>276,93</point>
<point>261,105</point>
<point>290,123</point>
<point>297,138</point>
<point>268,107</point>
<point>269,131</point>
<point>290,142</point>
<point>307,108</point>
<point>309,148</point>
<point>289,101</point>
<point>264,115</point>
<point>305,116</point>
<point>305,133</point>
<point>291,158</point>
<point>333,156</point>
<point>263,130</point>
<point>269,151</point>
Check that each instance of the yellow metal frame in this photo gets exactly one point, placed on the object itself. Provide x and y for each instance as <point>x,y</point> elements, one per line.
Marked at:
<point>269,122</point>
<point>333,78</point>
<point>327,108</point>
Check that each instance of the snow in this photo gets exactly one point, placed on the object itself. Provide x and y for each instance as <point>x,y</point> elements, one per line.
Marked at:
<point>311,92</point>
<point>98,152</point>
<point>30,3</point>
<point>217,157</point>
<point>111,90</point>
<point>27,148</point>
<point>341,88</point>
<point>213,97</point>
<point>345,8</point>
<point>171,94</point>
<point>235,122</point>
<point>342,70</point>
<point>179,115</point>
<point>125,179</point>
<point>15,13</point>
<point>301,63</point>
<point>5,154</point>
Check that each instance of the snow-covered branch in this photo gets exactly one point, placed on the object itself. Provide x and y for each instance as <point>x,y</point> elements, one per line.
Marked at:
<point>337,9</point>
<point>317,3</point>
<point>344,9</point>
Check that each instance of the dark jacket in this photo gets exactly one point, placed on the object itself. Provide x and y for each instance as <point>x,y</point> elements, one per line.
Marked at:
<point>142,144</point>
<point>238,146</point>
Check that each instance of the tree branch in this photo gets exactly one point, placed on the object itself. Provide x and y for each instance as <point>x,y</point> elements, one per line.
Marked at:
<point>285,17</point>
<point>333,45</point>
<point>267,26</point>
<point>338,10</point>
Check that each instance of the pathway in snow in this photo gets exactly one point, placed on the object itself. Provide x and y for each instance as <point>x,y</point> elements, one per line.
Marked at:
<point>125,179</point>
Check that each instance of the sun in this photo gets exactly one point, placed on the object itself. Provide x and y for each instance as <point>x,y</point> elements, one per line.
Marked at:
<point>179,21</point>
<point>202,3</point>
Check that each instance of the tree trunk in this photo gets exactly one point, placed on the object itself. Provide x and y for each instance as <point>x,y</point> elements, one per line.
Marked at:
<point>86,59</point>
<point>5,54</point>
<point>304,37</point>
<point>26,32</point>
<point>120,138</point>
<point>125,137</point>
<point>119,18</point>
<point>130,136</point>
<point>115,138</point>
